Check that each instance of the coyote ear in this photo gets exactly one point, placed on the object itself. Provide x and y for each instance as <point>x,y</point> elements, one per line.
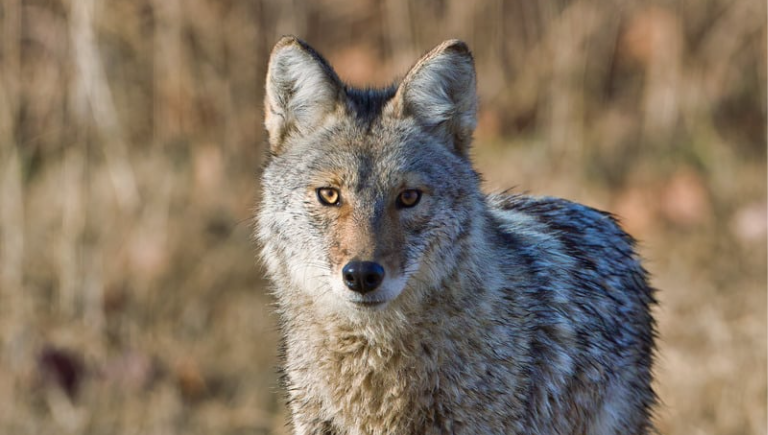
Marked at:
<point>301,90</point>
<point>439,91</point>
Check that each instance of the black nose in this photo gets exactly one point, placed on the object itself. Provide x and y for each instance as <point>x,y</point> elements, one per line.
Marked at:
<point>362,276</point>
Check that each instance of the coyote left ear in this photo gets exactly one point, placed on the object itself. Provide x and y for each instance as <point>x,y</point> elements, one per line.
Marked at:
<point>439,91</point>
<point>301,90</point>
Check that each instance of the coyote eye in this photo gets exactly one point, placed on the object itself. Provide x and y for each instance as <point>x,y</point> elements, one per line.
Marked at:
<point>328,196</point>
<point>408,198</point>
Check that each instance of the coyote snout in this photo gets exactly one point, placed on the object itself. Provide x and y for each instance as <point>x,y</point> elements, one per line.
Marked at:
<point>362,276</point>
<point>368,284</point>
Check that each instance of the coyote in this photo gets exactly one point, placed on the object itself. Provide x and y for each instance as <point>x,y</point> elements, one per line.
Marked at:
<point>412,303</point>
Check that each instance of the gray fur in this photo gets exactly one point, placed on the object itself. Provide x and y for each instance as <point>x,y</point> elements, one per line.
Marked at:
<point>498,315</point>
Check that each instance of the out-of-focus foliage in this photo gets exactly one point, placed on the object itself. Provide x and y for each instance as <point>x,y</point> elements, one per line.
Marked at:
<point>131,139</point>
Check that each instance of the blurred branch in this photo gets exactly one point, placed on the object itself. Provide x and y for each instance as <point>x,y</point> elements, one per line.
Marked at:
<point>73,219</point>
<point>171,82</point>
<point>397,20</point>
<point>741,21</point>
<point>92,87</point>
<point>11,190</point>
<point>291,16</point>
<point>11,226</point>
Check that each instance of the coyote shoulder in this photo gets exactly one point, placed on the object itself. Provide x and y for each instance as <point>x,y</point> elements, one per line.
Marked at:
<point>412,303</point>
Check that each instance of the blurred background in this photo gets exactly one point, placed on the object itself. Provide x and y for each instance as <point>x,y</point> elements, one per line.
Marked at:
<point>131,140</point>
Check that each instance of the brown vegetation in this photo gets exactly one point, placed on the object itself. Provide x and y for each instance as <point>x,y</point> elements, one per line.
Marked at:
<point>131,137</point>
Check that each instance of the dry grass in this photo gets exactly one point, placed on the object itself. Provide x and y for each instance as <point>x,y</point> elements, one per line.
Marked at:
<point>130,142</point>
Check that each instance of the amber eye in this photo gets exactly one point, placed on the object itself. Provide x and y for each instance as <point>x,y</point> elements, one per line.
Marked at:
<point>328,196</point>
<point>409,198</point>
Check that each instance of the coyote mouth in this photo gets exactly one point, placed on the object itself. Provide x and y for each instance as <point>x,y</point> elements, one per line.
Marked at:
<point>370,303</point>
<point>377,299</point>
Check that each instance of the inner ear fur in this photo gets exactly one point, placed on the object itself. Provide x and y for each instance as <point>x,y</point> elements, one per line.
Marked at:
<point>301,90</point>
<point>439,91</point>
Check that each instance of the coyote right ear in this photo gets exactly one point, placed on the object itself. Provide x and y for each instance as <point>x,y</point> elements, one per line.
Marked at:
<point>440,92</point>
<point>301,90</point>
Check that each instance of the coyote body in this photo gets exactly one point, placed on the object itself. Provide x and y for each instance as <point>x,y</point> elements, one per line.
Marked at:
<point>410,302</point>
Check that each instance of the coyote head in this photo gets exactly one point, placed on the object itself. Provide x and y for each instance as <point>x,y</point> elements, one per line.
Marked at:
<point>367,194</point>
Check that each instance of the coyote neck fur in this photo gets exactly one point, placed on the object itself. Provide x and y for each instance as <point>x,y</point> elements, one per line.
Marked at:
<point>392,368</point>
